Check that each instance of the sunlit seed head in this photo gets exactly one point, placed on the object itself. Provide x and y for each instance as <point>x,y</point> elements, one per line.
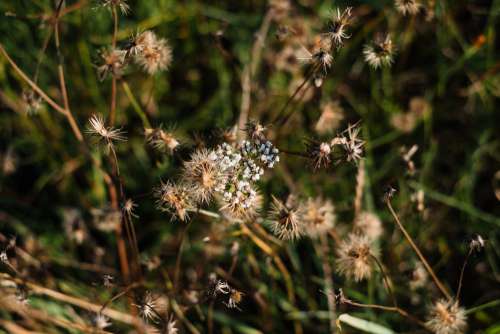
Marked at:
<point>113,63</point>
<point>319,216</point>
<point>147,307</point>
<point>174,199</point>
<point>204,175</point>
<point>129,208</point>
<point>286,220</point>
<point>380,52</point>
<point>122,5</point>
<point>337,27</point>
<point>101,321</point>
<point>407,7</point>
<point>108,134</point>
<point>32,101</point>
<point>447,317</point>
<point>161,140</point>
<point>319,153</point>
<point>255,130</point>
<point>153,54</point>
<point>355,257</point>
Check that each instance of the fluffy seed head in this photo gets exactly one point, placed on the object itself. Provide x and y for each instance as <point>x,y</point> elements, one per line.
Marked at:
<point>147,308</point>
<point>319,153</point>
<point>161,140</point>
<point>354,257</point>
<point>319,216</point>
<point>174,199</point>
<point>446,317</point>
<point>204,175</point>
<point>153,54</point>
<point>369,224</point>
<point>407,7</point>
<point>337,28</point>
<point>286,219</point>
<point>101,321</point>
<point>121,4</point>
<point>109,134</point>
<point>380,52</point>
<point>113,62</point>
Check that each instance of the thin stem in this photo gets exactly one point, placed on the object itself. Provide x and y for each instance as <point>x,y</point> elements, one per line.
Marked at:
<point>115,297</point>
<point>179,258</point>
<point>112,113</point>
<point>419,253</point>
<point>135,105</point>
<point>323,251</point>
<point>33,85</point>
<point>457,297</point>
<point>386,279</point>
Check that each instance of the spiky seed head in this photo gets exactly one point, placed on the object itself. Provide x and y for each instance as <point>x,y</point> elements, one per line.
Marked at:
<point>354,257</point>
<point>380,52</point>
<point>319,216</point>
<point>407,7</point>
<point>447,317</point>
<point>147,307</point>
<point>286,220</point>
<point>204,175</point>
<point>101,321</point>
<point>319,153</point>
<point>153,54</point>
<point>255,131</point>
<point>107,134</point>
<point>120,4</point>
<point>174,199</point>
<point>113,63</point>
<point>337,28</point>
<point>161,140</point>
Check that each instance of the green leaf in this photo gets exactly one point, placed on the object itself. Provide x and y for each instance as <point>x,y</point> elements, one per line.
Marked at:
<point>364,325</point>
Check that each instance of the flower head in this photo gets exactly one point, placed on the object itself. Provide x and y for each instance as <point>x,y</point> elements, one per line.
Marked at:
<point>129,208</point>
<point>113,63</point>
<point>153,54</point>
<point>380,52</point>
<point>320,153</point>
<point>147,307</point>
<point>286,219</point>
<point>101,321</point>
<point>446,317</point>
<point>32,101</point>
<point>320,58</point>
<point>161,140</point>
<point>174,199</point>
<point>337,28</point>
<point>354,257</point>
<point>121,4</point>
<point>319,216</point>
<point>407,7</point>
<point>204,175</point>
<point>107,134</point>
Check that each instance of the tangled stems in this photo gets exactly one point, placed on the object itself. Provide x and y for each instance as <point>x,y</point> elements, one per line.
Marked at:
<point>419,253</point>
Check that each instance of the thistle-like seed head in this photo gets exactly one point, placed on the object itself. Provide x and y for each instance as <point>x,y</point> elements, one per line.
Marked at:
<point>447,317</point>
<point>318,216</point>
<point>286,220</point>
<point>174,199</point>
<point>354,257</point>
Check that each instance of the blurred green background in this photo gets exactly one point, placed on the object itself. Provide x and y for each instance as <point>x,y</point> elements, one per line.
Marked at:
<point>447,58</point>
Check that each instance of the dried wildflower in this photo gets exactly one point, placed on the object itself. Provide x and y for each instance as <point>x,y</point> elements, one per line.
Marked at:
<point>350,142</point>
<point>407,7</point>
<point>221,287</point>
<point>171,326</point>
<point>477,243</point>
<point>255,131</point>
<point>120,4</point>
<point>147,307</point>
<point>153,54</point>
<point>319,59</point>
<point>203,175</point>
<point>286,219</point>
<point>389,193</point>
<point>319,153</point>
<point>107,134</point>
<point>139,42</point>
<point>101,321</point>
<point>161,140</point>
<point>113,63</point>
<point>331,116</point>
<point>337,27</point>
<point>354,257</point>
<point>234,299</point>
<point>174,199</point>
<point>32,101</point>
<point>369,224</point>
<point>241,203</point>
<point>319,216</point>
<point>106,219</point>
<point>129,209</point>
<point>380,52</point>
<point>447,317</point>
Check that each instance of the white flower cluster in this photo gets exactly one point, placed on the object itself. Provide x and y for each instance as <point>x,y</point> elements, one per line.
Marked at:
<point>244,166</point>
